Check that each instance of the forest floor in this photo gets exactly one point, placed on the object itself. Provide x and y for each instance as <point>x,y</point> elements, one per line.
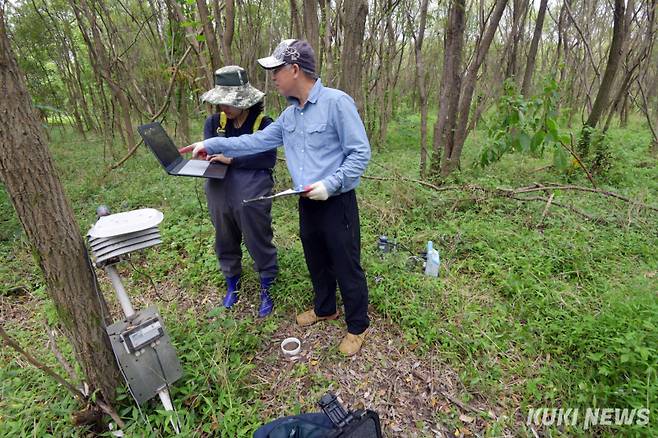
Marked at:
<point>534,307</point>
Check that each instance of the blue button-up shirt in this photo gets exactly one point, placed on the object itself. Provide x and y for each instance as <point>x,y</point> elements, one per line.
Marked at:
<point>324,140</point>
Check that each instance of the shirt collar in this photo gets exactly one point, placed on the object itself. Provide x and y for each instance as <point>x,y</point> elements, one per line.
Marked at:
<point>312,95</point>
<point>315,91</point>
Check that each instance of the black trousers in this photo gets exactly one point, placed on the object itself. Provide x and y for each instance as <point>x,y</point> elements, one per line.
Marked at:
<point>235,221</point>
<point>331,237</point>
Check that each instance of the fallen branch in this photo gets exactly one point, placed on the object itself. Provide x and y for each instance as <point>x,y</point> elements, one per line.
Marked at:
<point>417,181</point>
<point>544,188</point>
<point>46,369</point>
<point>59,379</point>
<point>548,205</point>
<point>454,400</point>
<point>512,193</point>
<point>568,207</point>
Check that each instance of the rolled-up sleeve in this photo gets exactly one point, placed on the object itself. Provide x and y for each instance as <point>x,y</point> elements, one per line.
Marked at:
<point>354,143</point>
<point>260,141</point>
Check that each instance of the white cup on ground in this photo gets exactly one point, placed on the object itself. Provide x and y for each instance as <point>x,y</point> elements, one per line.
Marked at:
<point>291,346</point>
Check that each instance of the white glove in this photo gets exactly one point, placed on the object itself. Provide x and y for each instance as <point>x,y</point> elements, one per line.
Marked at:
<point>318,192</point>
<point>199,150</point>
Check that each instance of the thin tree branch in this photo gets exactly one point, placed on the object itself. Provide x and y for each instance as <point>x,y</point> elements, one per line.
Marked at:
<point>548,205</point>
<point>582,36</point>
<point>539,188</point>
<point>160,111</point>
<point>45,368</point>
<point>58,354</point>
<point>579,161</point>
<point>513,193</point>
<point>568,207</point>
<point>59,379</point>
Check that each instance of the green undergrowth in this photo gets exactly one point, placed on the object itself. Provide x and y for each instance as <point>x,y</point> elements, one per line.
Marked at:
<point>531,310</point>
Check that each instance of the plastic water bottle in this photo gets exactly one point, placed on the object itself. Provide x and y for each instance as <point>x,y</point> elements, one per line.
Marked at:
<point>382,244</point>
<point>433,261</point>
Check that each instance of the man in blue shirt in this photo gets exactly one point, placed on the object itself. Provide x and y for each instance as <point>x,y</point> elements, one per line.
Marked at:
<point>327,151</point>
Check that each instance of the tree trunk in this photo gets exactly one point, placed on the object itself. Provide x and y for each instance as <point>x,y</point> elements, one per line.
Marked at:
<point>444,128</point>
<point>183,116</point>
<point>386,102</point>
<point>100,60</point>
<point>295,21</point>
<point>614,58</point>
<point>532,53</point>
<point>520,8</point>
<point>420,82</point>
<point>623,112</point>
<point>325,57</point>
<point>351,66</point>
<point>311,24</point>
<point>229,29</point>
<point>452,151</point>
<point>209,33</point>
<point>49,223</point>
<point>176,15</point>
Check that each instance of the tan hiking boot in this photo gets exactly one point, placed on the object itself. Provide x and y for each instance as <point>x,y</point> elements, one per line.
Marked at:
<point>309,318</point>
<point>351,344</point>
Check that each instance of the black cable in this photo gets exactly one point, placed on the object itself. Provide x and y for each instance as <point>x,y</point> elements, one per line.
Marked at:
<point>155,288</point>
<point>164,378</point>
<point>198,198</point>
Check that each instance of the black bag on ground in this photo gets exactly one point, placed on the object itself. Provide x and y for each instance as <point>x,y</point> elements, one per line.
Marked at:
<point>334,422</point>
<point>364,424</point>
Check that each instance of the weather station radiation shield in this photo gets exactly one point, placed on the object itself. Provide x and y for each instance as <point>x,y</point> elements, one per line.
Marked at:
<point>122,233</point>
<point>126,222</point>
<point>140,343</point>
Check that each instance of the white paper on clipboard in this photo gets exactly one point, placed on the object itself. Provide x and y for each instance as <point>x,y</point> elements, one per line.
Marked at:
<point>288,192</point>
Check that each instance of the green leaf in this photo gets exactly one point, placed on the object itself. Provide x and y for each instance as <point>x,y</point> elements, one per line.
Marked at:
<point>552,127</point>
<point>595,357</point>
<point>560,159</point>
<point>216,312</point>
<point>537,141</point>
<point>524,141</point>
<point>201,38</point>
<point>644,353</point>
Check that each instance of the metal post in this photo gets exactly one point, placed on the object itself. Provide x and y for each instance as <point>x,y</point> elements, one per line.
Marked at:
<point>166,402</point>
<point>124,300</point>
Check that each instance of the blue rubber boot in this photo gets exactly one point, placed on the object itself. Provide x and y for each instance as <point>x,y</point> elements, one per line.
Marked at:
<point>266,303</point>
<point>232,290</point>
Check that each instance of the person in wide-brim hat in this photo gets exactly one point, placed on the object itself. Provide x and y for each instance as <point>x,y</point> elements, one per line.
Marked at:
<point>232,88</point>
<point>240,111</point>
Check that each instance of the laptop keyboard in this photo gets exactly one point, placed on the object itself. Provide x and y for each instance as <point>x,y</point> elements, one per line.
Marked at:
<point>194,167</point>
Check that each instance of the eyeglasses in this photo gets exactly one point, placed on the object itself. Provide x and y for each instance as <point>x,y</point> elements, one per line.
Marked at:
<point>279,68</point>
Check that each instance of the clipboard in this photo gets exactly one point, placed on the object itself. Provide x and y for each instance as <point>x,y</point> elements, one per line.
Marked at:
<point>288,192</point>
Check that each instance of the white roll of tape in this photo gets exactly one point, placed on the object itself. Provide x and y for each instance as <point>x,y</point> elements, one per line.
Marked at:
<point>291,346</point>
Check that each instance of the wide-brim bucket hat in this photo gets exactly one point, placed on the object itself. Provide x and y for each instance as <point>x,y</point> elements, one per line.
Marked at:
<point>232,88</point>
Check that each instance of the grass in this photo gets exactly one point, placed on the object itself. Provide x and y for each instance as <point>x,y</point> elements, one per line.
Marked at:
<point>562,314</point>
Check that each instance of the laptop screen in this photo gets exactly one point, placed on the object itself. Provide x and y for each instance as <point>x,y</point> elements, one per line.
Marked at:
<point>162,146</point>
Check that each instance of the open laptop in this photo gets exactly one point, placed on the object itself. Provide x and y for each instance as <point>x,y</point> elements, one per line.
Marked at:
<point>167,154</point>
